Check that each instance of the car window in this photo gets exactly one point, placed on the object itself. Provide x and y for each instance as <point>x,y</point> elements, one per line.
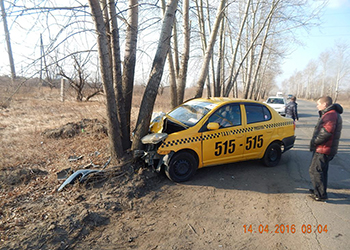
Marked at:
<point>257,113</point>
<point>275,101</point>
<point>227,116</point>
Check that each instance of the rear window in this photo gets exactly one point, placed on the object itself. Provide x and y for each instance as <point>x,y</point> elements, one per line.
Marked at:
<point>257,113</point>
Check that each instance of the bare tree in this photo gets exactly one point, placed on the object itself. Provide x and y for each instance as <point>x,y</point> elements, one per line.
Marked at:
<point>130,60</point>
<point>117,74</point>
<point>325,79</point>
<point>208,53</point>
<point>311,79</point>
<point>248,49</point>
<point>172,80</point>
<point>151,91</point>
<point>262,51</point>
<point>79,78</point>
<point>95,87</point>
<point>202,32</point>
<point>298,80</point>
<point>182,77</point>
<point>221,61</point>
<point>231,82</point>
<point>325,60</point>
<point>261,23</point>
<point>172,71</point>
<point>342,59</point>
<point>8,40</point>
<point>254,63</point>
<point>113,124</point>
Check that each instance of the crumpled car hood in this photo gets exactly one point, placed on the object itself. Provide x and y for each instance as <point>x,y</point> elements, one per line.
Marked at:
<point>166,124</point>
<point>157,123</point>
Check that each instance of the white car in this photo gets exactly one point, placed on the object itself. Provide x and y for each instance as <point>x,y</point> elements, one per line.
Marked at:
<point>277,103</point>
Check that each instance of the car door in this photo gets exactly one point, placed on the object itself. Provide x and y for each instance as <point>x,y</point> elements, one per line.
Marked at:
<point>259,130</point>
<point>225,144</point>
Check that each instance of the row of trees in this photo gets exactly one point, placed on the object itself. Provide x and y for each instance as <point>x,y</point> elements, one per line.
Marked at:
<point>328,75</point>
<point>230,47</point>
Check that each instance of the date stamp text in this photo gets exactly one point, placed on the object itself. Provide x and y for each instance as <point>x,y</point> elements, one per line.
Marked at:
<point>285,229</point>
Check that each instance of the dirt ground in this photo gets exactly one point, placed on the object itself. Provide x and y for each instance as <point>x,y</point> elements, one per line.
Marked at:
<point>44,140</point>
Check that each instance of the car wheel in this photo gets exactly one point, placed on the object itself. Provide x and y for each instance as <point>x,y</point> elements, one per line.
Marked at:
<point>272,155</point>
<point>182,167</point>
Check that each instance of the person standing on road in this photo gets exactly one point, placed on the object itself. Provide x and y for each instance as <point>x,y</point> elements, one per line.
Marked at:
<point>292,109</point>
<point>324,145</point>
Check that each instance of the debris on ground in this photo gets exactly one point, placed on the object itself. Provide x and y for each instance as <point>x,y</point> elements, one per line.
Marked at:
<point>75,158</point>
<point>81,173</point>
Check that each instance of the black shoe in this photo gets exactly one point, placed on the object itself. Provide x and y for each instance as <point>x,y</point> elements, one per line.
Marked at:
<point>316,198</point>
<point>311,191</point>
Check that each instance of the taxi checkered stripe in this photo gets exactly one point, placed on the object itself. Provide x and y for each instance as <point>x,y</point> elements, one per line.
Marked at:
<point>218,134</point>
<point>181,141</point>
<point>279,124</point>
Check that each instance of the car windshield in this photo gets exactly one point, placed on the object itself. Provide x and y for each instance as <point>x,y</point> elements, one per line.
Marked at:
<point>191,112</point>
<point>275,101</point>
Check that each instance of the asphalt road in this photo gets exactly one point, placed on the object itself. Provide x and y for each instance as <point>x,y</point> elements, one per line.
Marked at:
<point>335,213</point>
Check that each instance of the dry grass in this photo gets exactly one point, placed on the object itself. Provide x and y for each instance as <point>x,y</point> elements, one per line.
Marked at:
<point>22,123</point>
<point>33,110</point>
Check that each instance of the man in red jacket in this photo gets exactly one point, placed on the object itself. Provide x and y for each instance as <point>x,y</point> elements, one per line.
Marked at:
<point>324,145</point>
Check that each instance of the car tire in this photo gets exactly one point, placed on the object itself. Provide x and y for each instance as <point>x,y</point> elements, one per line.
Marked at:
<point>182,167</point>
<point>272,155</point>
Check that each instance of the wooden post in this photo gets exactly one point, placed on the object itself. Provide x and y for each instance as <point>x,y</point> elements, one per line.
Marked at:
<point>8,41</point>
<point>62,89</point>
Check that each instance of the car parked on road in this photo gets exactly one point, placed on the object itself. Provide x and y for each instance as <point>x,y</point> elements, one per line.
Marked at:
<point>278,103</point>
<point>209,132</point>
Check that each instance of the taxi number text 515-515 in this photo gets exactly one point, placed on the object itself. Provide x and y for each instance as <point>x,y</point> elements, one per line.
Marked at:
<point>228,147</point>
<point>254,142</point>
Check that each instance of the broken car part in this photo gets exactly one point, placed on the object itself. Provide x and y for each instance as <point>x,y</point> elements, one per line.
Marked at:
<point>82,173</point>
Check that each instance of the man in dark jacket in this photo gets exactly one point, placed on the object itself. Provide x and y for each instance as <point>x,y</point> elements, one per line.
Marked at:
<point>324,145</point>
<point>292,109</point>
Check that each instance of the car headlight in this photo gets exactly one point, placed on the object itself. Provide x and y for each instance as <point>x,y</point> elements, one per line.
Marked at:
<point>154,138</point>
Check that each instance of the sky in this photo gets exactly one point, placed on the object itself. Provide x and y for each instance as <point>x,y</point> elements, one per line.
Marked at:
<point>335,26</point>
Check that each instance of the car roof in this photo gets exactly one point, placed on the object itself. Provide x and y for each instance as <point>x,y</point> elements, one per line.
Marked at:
<point>221,100</point>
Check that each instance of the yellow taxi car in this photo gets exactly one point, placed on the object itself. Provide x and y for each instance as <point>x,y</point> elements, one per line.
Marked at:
<point>208,132</point>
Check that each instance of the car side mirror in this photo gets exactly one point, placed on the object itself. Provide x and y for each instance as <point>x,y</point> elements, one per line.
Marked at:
<point>213,126</point>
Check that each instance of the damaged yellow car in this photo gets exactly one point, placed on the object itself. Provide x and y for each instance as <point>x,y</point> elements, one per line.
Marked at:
<point>208,132</point>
